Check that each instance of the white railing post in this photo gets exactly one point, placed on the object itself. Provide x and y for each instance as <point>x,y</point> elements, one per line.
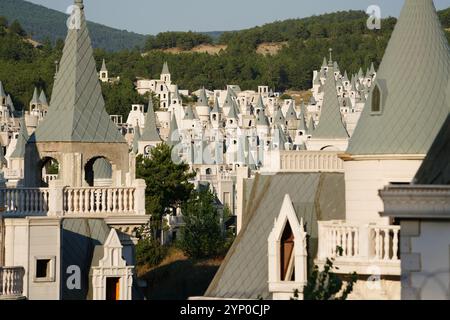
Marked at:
<point>139,196</point>
<point>364,241</point>
<point>56,198</point>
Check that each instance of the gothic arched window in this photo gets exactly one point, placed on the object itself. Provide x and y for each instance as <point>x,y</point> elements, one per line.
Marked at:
<point>376,100</point>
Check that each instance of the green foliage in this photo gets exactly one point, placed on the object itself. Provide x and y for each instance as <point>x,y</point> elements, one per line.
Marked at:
<point>150,252</point>
<point>42,23</point>
<point>3,22</point>
<point>202,236</point>
<point>16,28</point>
<point>120,96</point>
<point>326,285</point>
<point>167,182</point>
<point>182,40</point>
<point>285,97</point>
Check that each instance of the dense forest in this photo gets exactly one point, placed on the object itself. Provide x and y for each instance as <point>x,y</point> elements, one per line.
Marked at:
<point>22,66</point>
<point>46,24</point>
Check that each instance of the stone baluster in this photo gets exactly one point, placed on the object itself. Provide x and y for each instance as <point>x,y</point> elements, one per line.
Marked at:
<point>386,243</point>
<point>395,245</point>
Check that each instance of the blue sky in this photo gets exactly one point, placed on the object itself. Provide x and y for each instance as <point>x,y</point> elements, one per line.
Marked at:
<point>153,16</point>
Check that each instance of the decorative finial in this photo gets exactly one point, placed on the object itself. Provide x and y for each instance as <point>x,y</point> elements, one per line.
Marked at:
<point>331,56</point>
<point>79,3</point>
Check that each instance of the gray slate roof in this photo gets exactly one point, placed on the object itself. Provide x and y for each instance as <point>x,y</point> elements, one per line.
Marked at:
<point>77,111</point>
<point>19,151</point>
<point>435,169</point>
<point>202,99</point>
<point>2,91</point>
<point>150,132</point>
<point>79,237</point>
<point>413,78</point>
<point>43,98</point>
<point>279,118</point>
<point>330,123</point>
<point>165,69</point>
<point>136,139</point>
<point>102,169</point>
<point>104,69</point>
<point>174,135</point>
<point>233,113</point>
<point>216,108</point>
<point>35,99</point>
<point>315,196</point>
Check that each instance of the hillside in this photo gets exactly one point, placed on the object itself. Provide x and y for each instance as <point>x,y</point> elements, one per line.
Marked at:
<point>43,23</point>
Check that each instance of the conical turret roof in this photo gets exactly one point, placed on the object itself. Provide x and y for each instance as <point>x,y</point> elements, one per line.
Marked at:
<point>413,79</point>
<point>19,151</point>
<point>165,69</point>
<point>77,111</point>
<point>174,135</point>
<point>104,69</point>
<point>43,98</point>
<point>35,99</point>
<point>2,91</point>
<point>150,131</point>
<point>330,123</point>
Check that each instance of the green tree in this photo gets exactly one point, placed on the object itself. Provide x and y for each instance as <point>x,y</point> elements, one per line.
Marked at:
<point>167,182</point>
<point>150,252</point>
<point>326,285</point>
<point>202,236</point>
<point>3,22</point>
<point>16,28</point>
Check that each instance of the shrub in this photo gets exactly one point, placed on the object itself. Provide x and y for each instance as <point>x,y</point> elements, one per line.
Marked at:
<point>150,252</point>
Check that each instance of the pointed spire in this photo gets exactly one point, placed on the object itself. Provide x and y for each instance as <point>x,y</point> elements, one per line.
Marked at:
<point>104,69</point>
<point>10,104</point>
<point>345,77</point>
<point>311,127</point>
<point>202,99</point>
<point>165,69</point>
<point>324,63</point>
<point>2,91</point>
<point>372,69</point>
<point>176,95</point>
<point>77,111</point>
<point>43,98</point>
<point>35,99</point>
<point>330,123</point>
<point>360,73</point>
<point>317,80</point>
<point>189,113</point>
<point>228,99</point>
<point>19,151</point>
<point>291,114</point>
<point>279,118</point>
<point>261,120</point>
<point>150,131</point>
<point>413,107</point>
<point>174,136</point>
<point>216,108</point>
<point>278,138</point>
<point>260,103</point>
<point>233,113</point>
<point>136,139</point>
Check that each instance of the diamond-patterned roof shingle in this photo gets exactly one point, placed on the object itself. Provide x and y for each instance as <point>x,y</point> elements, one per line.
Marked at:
<point>413,78</point>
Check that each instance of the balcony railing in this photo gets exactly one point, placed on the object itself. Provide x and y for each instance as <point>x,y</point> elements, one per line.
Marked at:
<point>363,247</point>
<point>25,200</point>
<point>11,282</point>
<point>310,161</point>
<point>56,201</point>
<point>98,200</point>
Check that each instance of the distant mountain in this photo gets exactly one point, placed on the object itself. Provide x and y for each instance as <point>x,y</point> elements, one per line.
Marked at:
<point>43,23</point>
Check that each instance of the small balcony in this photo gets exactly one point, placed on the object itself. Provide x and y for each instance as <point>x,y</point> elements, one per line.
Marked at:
<point>66,201</point>
<point>11,283</point>
<point>366,249</point>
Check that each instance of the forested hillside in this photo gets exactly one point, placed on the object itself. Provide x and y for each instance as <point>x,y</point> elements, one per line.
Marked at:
<point>43,23</point>
<point>307,41</point>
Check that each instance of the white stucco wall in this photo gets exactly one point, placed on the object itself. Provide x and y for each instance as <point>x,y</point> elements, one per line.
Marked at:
<point>363,180</point>
<point>432,247</point>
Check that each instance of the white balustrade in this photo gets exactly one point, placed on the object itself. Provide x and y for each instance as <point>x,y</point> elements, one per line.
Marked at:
<point>11,282</point>
<point>24,201</point>
<point>371,243</point>
<point>310,161</point>
<point>49,177</point>
<point>99,200</point>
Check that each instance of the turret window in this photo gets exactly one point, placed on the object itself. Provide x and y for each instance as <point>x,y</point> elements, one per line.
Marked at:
<point>376,100</point>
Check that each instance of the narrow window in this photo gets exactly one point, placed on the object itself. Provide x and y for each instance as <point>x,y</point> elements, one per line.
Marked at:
<point>287,254</point>
<point>376,99</point>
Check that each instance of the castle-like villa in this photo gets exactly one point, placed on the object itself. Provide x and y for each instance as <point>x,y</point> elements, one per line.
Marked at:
<point>362,165</point>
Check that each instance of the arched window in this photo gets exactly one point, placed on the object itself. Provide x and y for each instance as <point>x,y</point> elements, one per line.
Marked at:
<point>287,254</point>
<point>376,99</point>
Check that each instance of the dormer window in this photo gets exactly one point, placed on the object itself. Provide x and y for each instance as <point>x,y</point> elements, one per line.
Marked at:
<point>376,100</point>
